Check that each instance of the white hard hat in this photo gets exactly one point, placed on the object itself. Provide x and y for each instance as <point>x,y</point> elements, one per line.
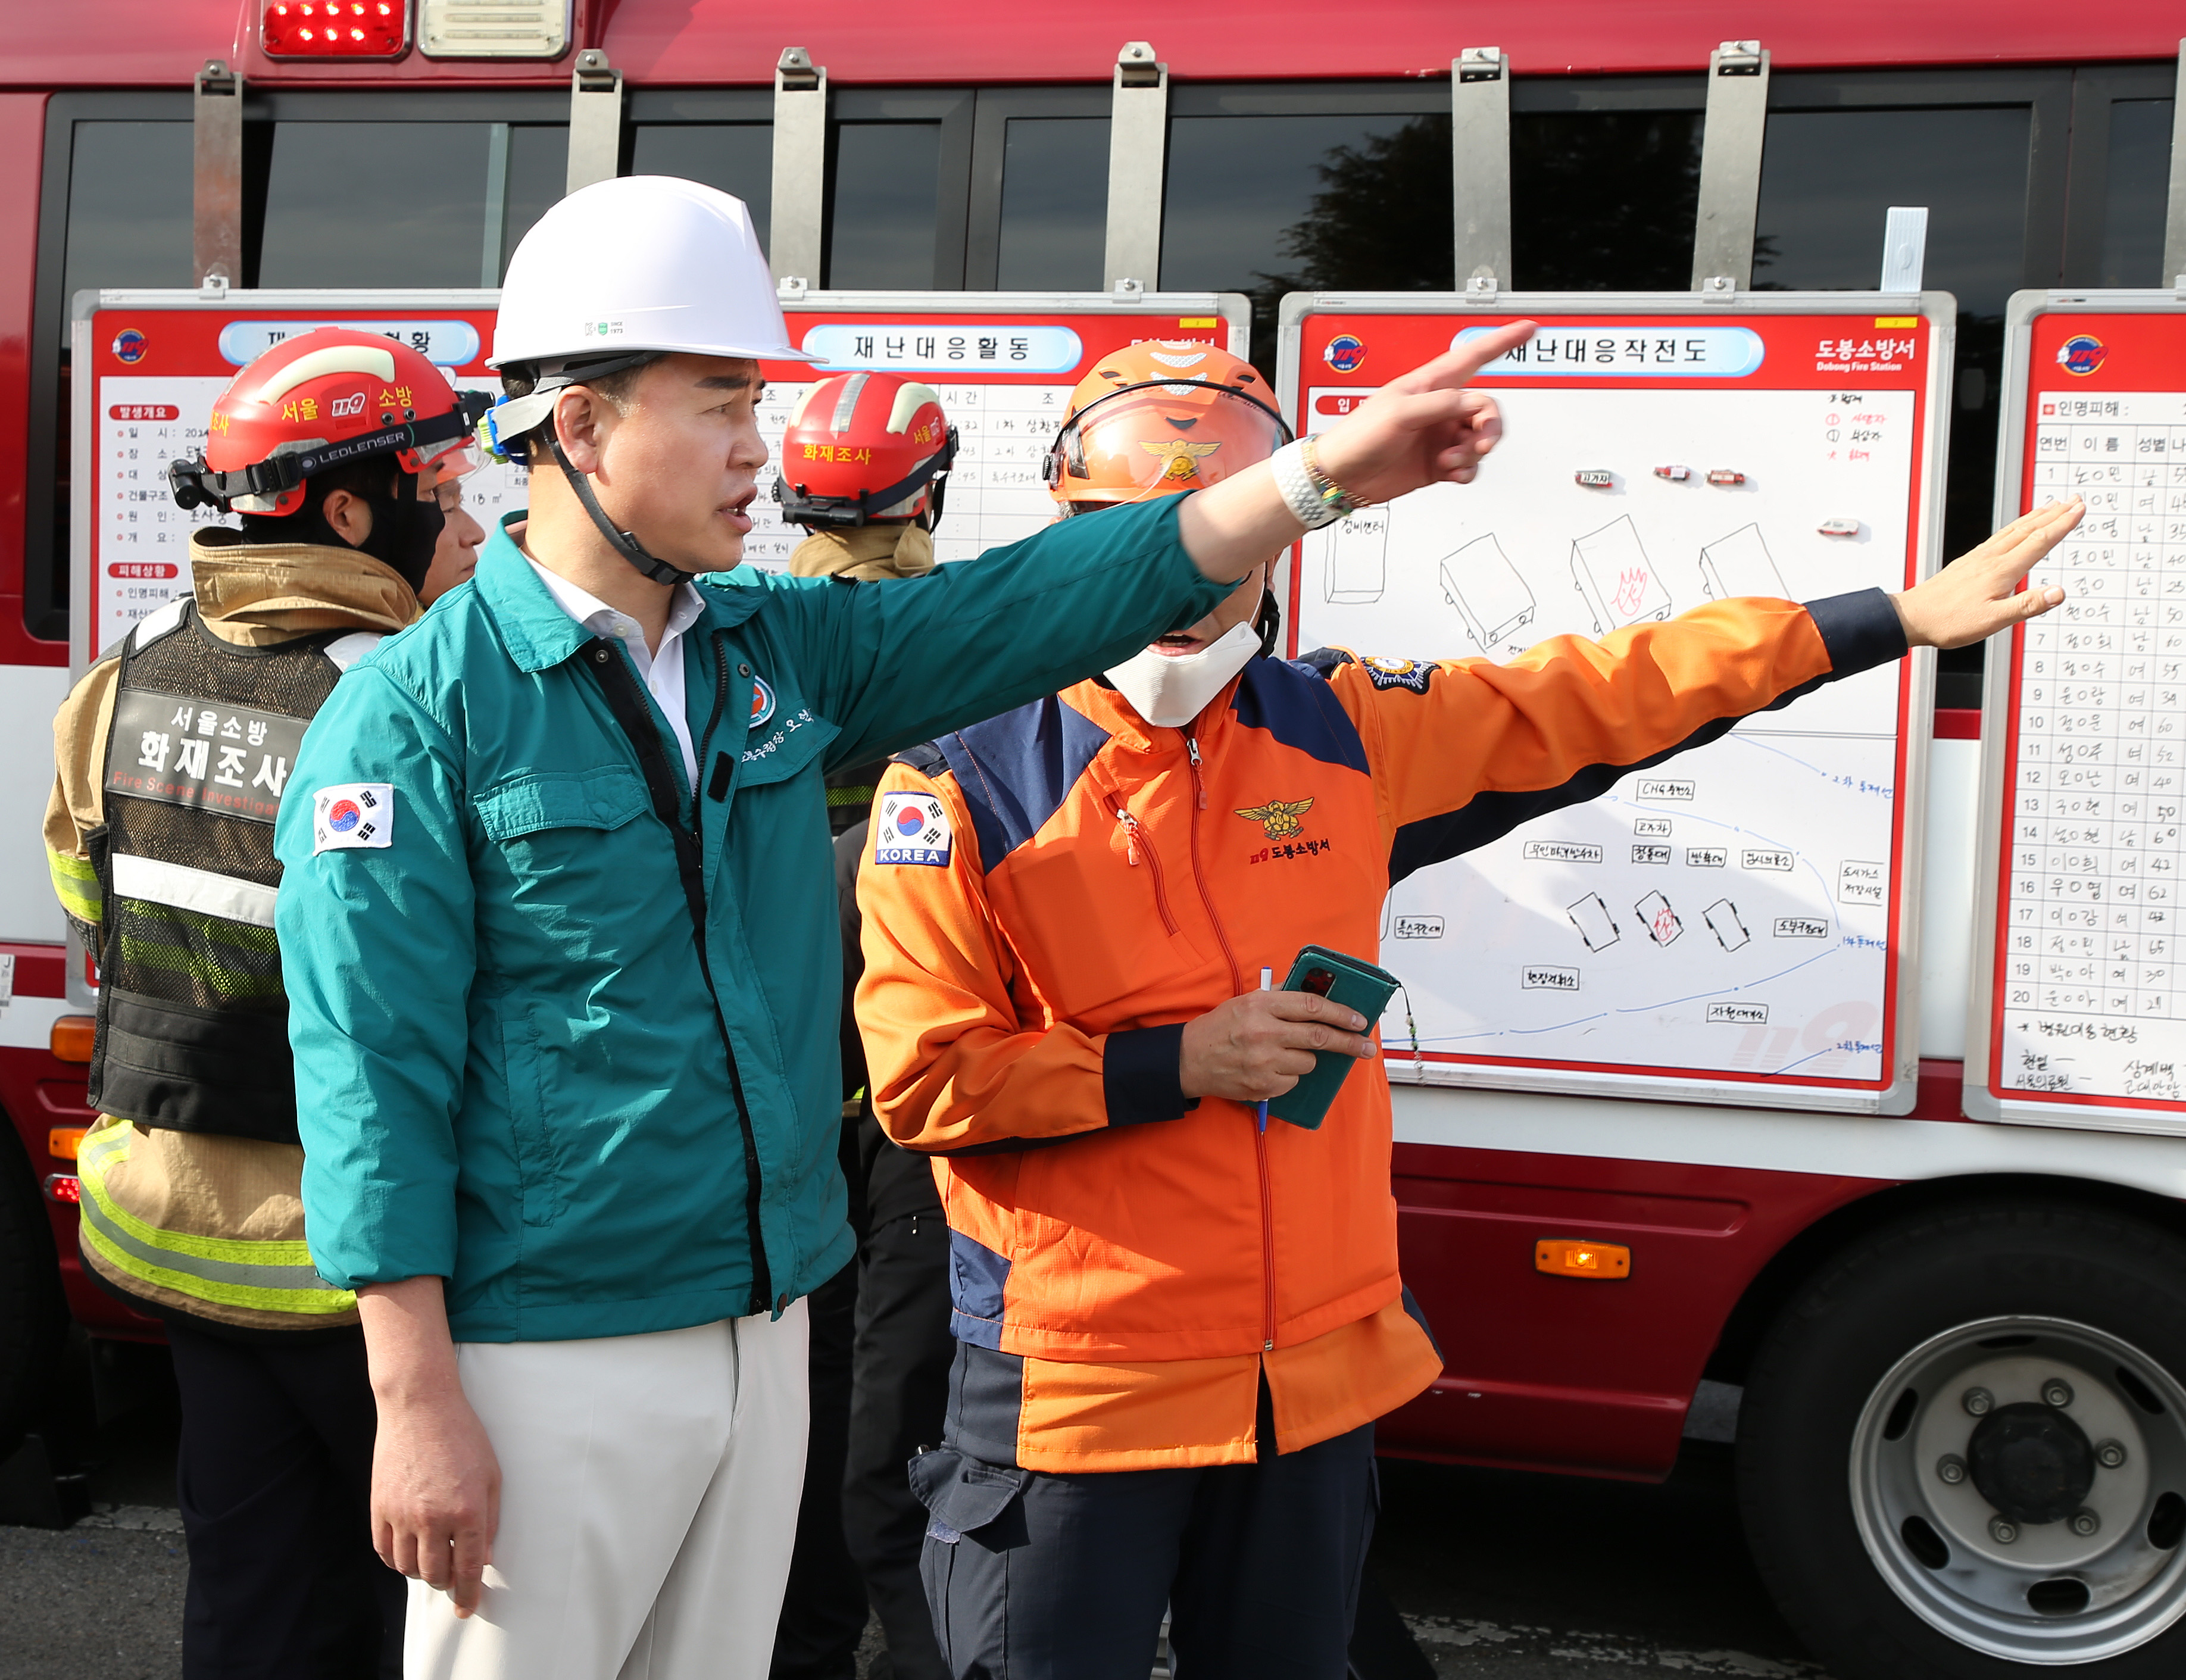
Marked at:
<point>640,263</point>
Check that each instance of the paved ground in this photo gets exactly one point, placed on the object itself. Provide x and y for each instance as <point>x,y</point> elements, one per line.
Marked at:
<point>1500,1576</point>
<point>1517,1576</point>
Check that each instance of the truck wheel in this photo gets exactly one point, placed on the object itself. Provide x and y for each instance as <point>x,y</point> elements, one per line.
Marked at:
<point>33,1314</point>
<point>1962,1449</point>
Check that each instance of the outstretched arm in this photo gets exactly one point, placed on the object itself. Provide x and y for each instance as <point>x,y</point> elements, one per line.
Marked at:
<point>1465,750</point>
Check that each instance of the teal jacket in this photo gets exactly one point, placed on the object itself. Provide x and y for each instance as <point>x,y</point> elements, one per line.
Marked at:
<point>509,1071</point>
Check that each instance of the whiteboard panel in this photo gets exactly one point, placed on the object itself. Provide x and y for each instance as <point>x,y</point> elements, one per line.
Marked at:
<point>2076,1018</point>
<point>1733,924</point>
<point>1003,363</point>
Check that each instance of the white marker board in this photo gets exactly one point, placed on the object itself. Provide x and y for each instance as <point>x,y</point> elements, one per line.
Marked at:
<point>2079,1017</point>
<point>1004,365</point>
<point>1736,925</point>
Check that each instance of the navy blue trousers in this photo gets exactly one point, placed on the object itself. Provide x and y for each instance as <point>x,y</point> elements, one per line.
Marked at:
<point>274,1471</point>
<point>1033,1577</point>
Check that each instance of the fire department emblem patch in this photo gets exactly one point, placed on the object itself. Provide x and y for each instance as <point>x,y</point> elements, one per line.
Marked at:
<point>1180,457</point>
<point>1278,818</point>
<point>911,828</point>
<point>1411,674</point>
<point>2081,354</point>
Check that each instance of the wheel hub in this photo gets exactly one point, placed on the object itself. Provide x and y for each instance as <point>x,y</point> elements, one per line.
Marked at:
<point>2020,1484</point>
<point>2031,1462</point>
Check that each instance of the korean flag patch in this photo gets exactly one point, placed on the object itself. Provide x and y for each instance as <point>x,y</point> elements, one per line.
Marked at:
<point>354,813</point>
<point>911,828</point>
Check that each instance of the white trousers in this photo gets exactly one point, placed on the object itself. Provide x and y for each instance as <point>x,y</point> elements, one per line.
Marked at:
<point>649,1487</point>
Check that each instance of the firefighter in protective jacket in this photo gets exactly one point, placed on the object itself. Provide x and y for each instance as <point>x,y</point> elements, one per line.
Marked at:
<point>342,452</point>
<point>1175,1328</point>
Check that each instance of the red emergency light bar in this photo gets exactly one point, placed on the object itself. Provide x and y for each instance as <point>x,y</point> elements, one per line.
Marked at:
<point>336,29</point>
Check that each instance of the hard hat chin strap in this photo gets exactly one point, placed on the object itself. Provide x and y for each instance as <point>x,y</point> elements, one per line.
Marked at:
<point>623,542</point>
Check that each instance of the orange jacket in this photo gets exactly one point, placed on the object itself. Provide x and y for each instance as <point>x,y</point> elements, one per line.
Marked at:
<point>1051,894</point>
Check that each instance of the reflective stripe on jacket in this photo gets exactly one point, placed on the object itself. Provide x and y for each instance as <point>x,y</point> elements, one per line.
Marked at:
<point>122,1167</point>
<point>1082,884</point>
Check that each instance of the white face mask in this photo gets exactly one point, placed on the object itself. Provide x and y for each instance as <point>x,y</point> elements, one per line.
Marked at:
<point>1172,690</point>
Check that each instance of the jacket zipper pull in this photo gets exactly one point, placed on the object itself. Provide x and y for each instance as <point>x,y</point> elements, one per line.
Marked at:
<point>1191,746</point>
<point>1130,834</point>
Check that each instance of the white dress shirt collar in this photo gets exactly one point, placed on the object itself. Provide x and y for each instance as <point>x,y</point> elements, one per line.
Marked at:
<point>661,670</point>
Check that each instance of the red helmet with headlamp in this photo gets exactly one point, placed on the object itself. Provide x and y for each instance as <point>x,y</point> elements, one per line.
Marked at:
<point>322,400</point>
<point>865,446</point>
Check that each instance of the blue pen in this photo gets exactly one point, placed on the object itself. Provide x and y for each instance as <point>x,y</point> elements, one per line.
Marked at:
<point>1267,984</point>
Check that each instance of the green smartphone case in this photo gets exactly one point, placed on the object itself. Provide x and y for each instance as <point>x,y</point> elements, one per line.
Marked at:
<point>1355,984</point>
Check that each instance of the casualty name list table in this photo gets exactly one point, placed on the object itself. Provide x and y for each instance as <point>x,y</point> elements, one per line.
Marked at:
<point>2096,807</point>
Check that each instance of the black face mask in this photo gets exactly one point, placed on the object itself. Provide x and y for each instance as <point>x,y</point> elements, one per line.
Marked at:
<point>405,531</point>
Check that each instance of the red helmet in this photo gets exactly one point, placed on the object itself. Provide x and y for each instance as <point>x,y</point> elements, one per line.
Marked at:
<point>865,446</point>
<point>1157,417</point>
<point>320,400</point>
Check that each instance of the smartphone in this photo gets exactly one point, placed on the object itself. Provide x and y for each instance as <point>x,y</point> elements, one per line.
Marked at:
<point>1356,984</point>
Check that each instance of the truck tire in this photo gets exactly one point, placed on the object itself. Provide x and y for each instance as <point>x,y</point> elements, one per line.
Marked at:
<point>33,1313</point>
<point>1962,1449</point>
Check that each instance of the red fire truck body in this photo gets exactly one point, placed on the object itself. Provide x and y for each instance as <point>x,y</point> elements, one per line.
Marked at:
<point>1733,1218</point>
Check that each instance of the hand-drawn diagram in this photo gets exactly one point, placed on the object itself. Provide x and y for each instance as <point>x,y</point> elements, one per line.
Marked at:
<point>1355,551</point>
<point>1488,592</point>
<point>1660,921</point>
<point>1739,564</point>
<point>1591,917</point>
<point>1610,571</point>
<point>1785,973</point>
<point>1722,918</point>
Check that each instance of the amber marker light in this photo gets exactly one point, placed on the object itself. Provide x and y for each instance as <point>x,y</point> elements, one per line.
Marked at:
<point>1571,1257</point>
<point>62,1142</point>
<point>71,1038</point>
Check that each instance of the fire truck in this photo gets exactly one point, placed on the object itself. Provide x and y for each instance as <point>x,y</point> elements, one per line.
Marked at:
<point>1608,1276</point>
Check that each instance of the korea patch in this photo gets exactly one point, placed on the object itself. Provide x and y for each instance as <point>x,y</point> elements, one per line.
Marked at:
<point>1409,673</point>
<point>911,828</point>
<point>354,813</point>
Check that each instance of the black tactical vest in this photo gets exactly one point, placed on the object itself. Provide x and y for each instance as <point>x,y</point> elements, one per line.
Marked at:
<point>192,1021</point>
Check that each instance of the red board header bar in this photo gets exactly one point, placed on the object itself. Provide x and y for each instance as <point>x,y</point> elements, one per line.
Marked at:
<point>711,42</point>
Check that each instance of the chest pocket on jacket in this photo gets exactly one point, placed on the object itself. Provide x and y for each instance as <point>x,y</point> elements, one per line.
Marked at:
<point>530,804</point>
<point>553,828</point>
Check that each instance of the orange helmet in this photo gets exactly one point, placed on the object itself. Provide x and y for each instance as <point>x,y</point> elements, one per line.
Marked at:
<point>323,398</point>
<point>865,446</point>
<point>1157,418</point>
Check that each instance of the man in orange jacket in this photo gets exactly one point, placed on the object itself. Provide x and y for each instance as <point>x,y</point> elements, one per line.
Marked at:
<point>1175,1328</point>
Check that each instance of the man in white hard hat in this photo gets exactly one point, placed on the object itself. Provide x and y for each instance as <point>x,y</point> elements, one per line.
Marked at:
<point>558,927</point>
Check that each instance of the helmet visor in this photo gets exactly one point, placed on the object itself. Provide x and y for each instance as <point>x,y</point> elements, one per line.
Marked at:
<point>444,463</point>
<point>1149,440</point>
